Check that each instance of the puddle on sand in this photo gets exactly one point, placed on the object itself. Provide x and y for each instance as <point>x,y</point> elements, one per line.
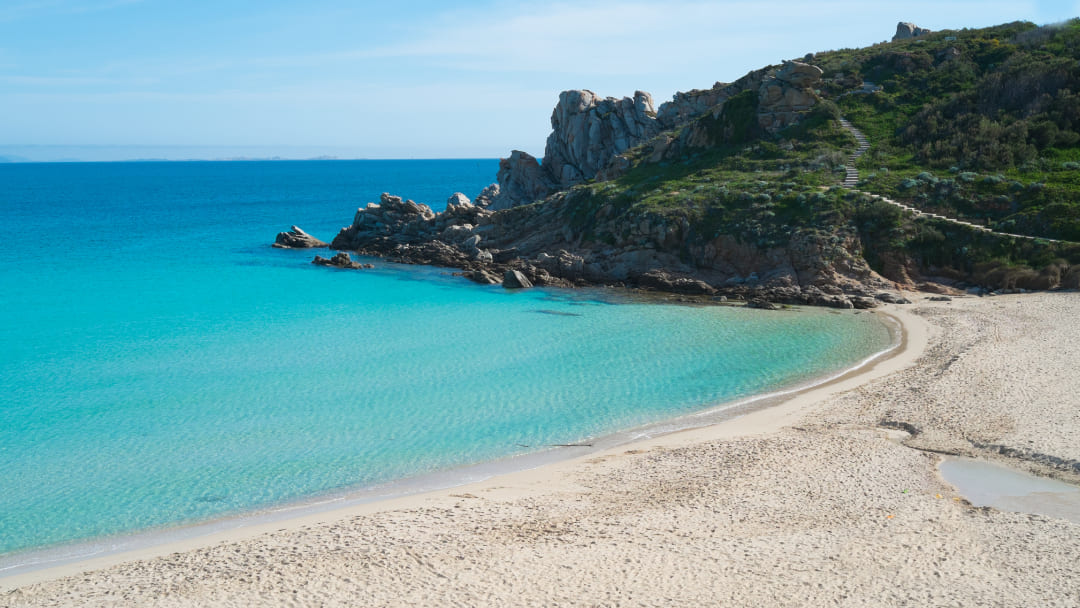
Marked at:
<point>989,485</point>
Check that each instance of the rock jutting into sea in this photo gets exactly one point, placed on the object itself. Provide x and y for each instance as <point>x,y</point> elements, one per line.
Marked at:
<point>498,238</point>
<point>297,239</point>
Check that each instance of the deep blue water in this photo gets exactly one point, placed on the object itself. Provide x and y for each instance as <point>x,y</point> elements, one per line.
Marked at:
<point>161,364</point>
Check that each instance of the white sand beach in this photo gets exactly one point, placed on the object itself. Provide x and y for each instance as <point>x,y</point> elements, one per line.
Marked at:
<point>821,500</point>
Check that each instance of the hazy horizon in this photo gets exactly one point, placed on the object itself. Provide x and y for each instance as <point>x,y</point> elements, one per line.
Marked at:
<point>412,79</point>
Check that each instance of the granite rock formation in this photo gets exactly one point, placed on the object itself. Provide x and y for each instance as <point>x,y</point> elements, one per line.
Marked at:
<point>590,134</point>
<point>541,244</point>
<point>905,30</point>
<point>498,238</point>
<point>297,239</point>
<point>340,260</point>
<point>587,132</point>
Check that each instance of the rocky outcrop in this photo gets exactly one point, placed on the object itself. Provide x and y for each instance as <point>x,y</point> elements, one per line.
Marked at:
<point>589,135</point>
<point>906,30</point>
<point>340,260</point>
<point>687,106</point>
<point>784,97</point>
<point>521,181</point>
<point>297,239</point>
<point>545,245</point>
<point>571,239</point>
<point>515,279</point>
<point>587,132</point>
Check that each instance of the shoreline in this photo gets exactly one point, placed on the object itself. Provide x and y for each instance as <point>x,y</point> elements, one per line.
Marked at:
<point>751,415</point>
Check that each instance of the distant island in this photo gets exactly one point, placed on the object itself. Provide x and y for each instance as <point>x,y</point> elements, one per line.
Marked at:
<point>939,161</point>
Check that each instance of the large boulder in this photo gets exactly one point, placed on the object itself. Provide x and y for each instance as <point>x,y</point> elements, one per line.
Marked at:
<point>587,132</point>
<point>798,74</point>
<point>521,181</point>
<point>515,279</point>
<point>905,30</point>
<point>340,260</point>
<point>297,239</point>
<point>786,95</point>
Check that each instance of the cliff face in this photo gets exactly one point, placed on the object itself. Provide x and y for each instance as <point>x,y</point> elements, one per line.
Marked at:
<point>574,238</point>
<point>549,244</point>
<point>586,132</point>
<point>589,135</point>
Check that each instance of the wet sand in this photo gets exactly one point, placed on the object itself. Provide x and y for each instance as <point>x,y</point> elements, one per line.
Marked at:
<point>823,499</point>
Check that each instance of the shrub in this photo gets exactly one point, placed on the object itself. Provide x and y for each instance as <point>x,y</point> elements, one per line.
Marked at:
<point>968,177</point>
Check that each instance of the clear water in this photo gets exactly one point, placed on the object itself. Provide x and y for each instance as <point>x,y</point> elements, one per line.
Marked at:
<point>986,484</point>
<point>161,364</point>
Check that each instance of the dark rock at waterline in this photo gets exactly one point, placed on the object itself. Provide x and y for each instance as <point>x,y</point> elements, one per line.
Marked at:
<point>891,298</point>
<point>515,279</point>
<point>762,303</point>
<point>340,260</point>
<point>663,281</point>
<point>297,239</point>
<point>862,302</point>
<point>482,276</point>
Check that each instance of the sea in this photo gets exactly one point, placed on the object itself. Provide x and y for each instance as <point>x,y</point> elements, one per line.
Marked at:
<point>162,366</point>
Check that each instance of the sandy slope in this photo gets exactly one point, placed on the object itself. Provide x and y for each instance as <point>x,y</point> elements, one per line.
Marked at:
<point>808,504</point>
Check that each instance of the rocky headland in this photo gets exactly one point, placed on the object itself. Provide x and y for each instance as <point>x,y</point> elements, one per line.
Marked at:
<point>751,190</point>
<point>533,227</point>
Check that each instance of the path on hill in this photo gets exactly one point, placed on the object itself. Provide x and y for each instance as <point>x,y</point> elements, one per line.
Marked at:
<point>851,179</point>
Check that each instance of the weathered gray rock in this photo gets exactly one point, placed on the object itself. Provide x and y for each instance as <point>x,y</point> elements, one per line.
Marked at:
<point>905,30</point>
<point>762,304</point>
<point>863,302</point>
<point>587,132</point>
<point>891,298</point>
<point>482,276</point>
<point>515,279</point>
<point>458,199</point>
<point>487,196</point>
<point>798,74</point>
<point>665,281</point>
<point>687,106</point>
<point>340,260</point>
<point>521,181</point>
<point>786,96</point>
<point>297,239</point>
<point>401,220</point>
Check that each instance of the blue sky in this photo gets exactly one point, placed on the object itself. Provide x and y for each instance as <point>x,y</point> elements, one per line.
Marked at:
<point>110,79</point>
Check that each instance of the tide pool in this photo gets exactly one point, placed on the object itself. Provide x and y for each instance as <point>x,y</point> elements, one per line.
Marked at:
<point>162,365</point>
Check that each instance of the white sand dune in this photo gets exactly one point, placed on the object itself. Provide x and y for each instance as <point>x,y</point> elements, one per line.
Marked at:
<point>809,503</point>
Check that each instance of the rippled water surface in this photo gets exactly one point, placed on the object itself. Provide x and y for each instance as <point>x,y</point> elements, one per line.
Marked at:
<point>161,364</point>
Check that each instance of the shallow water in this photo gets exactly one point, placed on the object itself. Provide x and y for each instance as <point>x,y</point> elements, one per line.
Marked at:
<point>985,484</point>
<point>162,365</point>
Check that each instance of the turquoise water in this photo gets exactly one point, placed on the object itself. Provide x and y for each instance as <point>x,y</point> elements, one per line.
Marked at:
<point>161,364</point>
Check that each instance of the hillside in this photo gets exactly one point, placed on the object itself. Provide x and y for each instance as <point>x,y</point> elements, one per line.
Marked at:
<point>738,189</point>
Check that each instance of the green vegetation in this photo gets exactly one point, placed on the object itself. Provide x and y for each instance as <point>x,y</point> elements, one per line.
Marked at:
<point>982,125</point>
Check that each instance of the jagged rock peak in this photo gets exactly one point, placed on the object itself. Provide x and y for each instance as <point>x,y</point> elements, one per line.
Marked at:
<point>587,132</point>
<point>685,106</point>
<point>905,30</point>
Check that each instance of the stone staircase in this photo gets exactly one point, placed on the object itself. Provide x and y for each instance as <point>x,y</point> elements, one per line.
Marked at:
<point>852,176</point>
<point>851,179</point>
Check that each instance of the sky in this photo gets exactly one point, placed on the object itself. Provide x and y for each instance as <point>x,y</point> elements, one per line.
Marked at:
<point>119,79</point>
